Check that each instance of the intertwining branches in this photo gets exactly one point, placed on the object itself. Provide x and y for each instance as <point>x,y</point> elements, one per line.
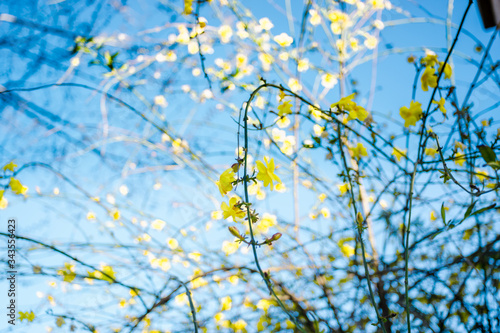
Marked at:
<point>140,115</point>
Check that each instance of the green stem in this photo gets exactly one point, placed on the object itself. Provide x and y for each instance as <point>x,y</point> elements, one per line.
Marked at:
<point>191,304</point>
<point>245,185</point>
<point>360,234</point>
<point>419,160</point>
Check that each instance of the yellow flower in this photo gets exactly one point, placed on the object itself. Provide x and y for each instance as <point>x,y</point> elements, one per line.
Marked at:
<point>341,45</point>
<point>371,42</point>
<point>266,23</point>
<point>285,108</point>
<point>182,299</point>
<point>377,4</point>
<point>379,24</point>
<point>115,214</point>
<point>447,69</point>
<point>358,151</point>
<point>68,272</point>
<point>398,153</point>
<point>283,122</point>
<point>266,172</point>
<point>225,33</point>
<point>430,60</point>
<point>328,80</point>
<point>29,316</point>
<point>357,112</point>
<point>433,216</point>
<point>345,103</point>
<point>10,166</point>
<point>266,60</point>
<point>218,317</point>
<point>188,7</point>
<point>411,115</point>
<point>280,188</point>
<point>158,224</point>
<point>195,256</point>
<point>240,325</point>
<point>264,304</point>
<point>288,144</point>
<point>282,95</point>
<point>429,79</point>
<point>343,188</point>
<point>170,57</point>
<point>267,221</point>
<point>459,145</point>
<point>229,247</point>
<point>440,104</point>
<point>459,159</point>
<point>198,283</point>
<point>431,152</point>
<point>354,43</point>
<point>178,146</point>
<point>283,40</point>
<point>109,274</point>
<point>122,303</point>
<point>316,114</point>
<point>17,187</point>
<point>347,250</point>
<point>3,201</point>
<point>481,174</point>
<point>294,85</point>
<point>161,101</point>
<point>232,210</point>
<point>225,182</point>
<point>216,215</point>
<point>172,243</point>
<point>60,321</point>
<point>233,279</point>
<point>314,18</point>
<point>317,129</point>
<point>226,303</point>
<point>303,65</point>
<point>289,324</point>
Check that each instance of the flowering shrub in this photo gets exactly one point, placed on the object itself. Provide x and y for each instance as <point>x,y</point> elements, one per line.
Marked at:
<point>361,195</point>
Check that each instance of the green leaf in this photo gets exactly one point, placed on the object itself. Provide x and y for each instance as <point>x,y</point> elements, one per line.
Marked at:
<point>444,175</point>
<point>495,165</point>
<point>443,213</point>
<point>469,210</point>
<point>482,210</point>
<point>487,153</point>
<point>108,58</point>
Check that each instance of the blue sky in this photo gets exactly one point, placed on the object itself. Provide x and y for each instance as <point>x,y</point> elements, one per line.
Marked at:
<point>183,194</point>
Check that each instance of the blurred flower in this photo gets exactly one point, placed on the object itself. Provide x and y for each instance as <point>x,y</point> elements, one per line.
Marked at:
<point>283,40</point>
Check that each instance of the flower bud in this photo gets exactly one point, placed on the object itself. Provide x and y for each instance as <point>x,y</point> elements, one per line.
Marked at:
<point>235,167</point>
<point>274,238</point>
<point>235,232</point>
<point>359,218</point>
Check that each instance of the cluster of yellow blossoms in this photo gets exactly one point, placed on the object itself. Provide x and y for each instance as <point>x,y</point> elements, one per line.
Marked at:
<point>14,184</point>
<point>227,180</point>
<point>429,77</point>
<point>354,110</point>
